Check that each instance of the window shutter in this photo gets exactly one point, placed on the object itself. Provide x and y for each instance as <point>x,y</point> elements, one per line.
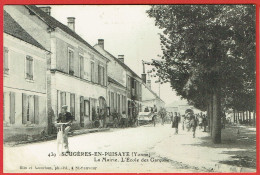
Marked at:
<point>31,108</point>
<point>12,108</point>
<point>99,75</point>
<point>81,105</point>
<point>36,109</point>
<point>72,104</point>
<point>96,73</point>
<point>25,103</point>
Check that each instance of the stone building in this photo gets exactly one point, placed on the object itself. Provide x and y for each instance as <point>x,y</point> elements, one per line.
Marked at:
<point>76,72</point>
<point>25,65</point>
<point>149,98</point>
<point>124,85</point>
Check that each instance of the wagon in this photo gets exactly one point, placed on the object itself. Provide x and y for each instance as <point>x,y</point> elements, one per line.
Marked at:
<point>146,117</point>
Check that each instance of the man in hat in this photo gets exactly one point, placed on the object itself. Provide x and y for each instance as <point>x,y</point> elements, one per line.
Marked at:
<point>65,117</point>
<point>175,122</point>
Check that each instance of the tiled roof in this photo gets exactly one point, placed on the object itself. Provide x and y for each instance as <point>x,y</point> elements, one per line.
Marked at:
<point>12,28</point>
<point>53,23</point>
<point>152,92</point>
<point>122,64</point>
<point>115,82</point>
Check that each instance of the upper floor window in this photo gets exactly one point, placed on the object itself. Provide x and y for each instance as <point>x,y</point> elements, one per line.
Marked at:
<point>6,61</point>
<point>92,71</point>
<point>134,88</point>
<point>29,67</point>
<point>101,75</point>
<point>71,61</point>
<point>140,90</point>
<point>81,66</point>
<point>128,83</point>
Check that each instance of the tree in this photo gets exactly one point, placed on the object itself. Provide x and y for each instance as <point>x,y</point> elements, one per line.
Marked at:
<point>208,54</point>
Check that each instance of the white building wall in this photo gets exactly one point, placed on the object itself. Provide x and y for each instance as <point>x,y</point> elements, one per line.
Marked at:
<point>15,82</point>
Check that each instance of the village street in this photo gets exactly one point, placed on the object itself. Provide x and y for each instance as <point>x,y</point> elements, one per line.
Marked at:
<point>157,148</point>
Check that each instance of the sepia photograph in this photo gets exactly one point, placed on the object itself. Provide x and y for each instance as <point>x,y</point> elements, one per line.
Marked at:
<point>130,88</point>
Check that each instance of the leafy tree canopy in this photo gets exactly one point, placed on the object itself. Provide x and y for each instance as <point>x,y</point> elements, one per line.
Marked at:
<point>207,48</point>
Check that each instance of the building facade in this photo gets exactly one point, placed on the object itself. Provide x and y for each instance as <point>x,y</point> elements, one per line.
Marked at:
<point>116,89</point>
<point>76,73</point>
<point>124,85</point>
<point>151,99</point>
<point>25,65</point>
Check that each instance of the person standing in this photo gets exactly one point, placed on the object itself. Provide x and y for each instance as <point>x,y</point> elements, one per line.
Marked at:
<point>65,117</point>
<point>175,122</point>
<point>183,122</point>
<point>124,124</point>
<point>193,124</point>
<point>204,121</point>
<point>154,120</point>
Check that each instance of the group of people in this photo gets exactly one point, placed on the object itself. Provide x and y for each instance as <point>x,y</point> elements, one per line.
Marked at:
<point>190,121</point>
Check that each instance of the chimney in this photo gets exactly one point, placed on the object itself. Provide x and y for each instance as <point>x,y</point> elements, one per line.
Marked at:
<point>144,78</point>
<point>46,9</point>
<point>101,43</point>
<point>149,83</point>
<point>71,23</point>
<point>121,58</point>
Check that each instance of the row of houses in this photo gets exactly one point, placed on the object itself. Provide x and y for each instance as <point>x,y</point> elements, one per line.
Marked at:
<point>48,65</point>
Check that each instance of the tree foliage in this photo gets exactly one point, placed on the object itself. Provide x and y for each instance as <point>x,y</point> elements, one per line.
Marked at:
<point>207,48</point>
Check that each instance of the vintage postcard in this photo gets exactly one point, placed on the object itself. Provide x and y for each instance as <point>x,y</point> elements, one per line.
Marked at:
<point>129,88</point>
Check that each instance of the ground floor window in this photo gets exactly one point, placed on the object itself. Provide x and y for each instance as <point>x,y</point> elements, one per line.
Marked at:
<point>86,108</point>
<point>72,104</point>
<point>9,107</point>
<point>112,102</point>
<point>30,109</point>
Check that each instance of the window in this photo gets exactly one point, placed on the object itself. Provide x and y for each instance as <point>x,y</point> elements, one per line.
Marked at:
<point>92,70</point>
<point>140,91</point>
<point>81,66</point>
<point>6,61</point>
<point>118,103</point>
<point>134,88</point>
<point>112,102</point>
<point>115,105</point>
<point>29,67</point>
<point>128,83</point>
<point>124,103</point>
<point>9,107</point>
<point>101,75</point>
<point>62,98</point>
<point>30,104</point>
<point>72,104</point>
<point>71,61</point>
<point>86,108</point>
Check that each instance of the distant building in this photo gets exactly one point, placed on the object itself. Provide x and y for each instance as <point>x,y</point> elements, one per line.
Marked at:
<point>149,97</point>
<point>76,73</point>
<point>25,65</point>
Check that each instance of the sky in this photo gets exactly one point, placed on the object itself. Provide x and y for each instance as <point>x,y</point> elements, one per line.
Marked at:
<point>126,30</point>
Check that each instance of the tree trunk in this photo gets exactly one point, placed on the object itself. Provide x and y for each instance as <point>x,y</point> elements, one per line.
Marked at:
<point>243,116</point>
<point>211,113</point>
<point>247,121</point>
<point>250,118</point>
<point>216,129</point>
<point>234,116</point>
<point>208,117</point>
<point>254,118</point>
